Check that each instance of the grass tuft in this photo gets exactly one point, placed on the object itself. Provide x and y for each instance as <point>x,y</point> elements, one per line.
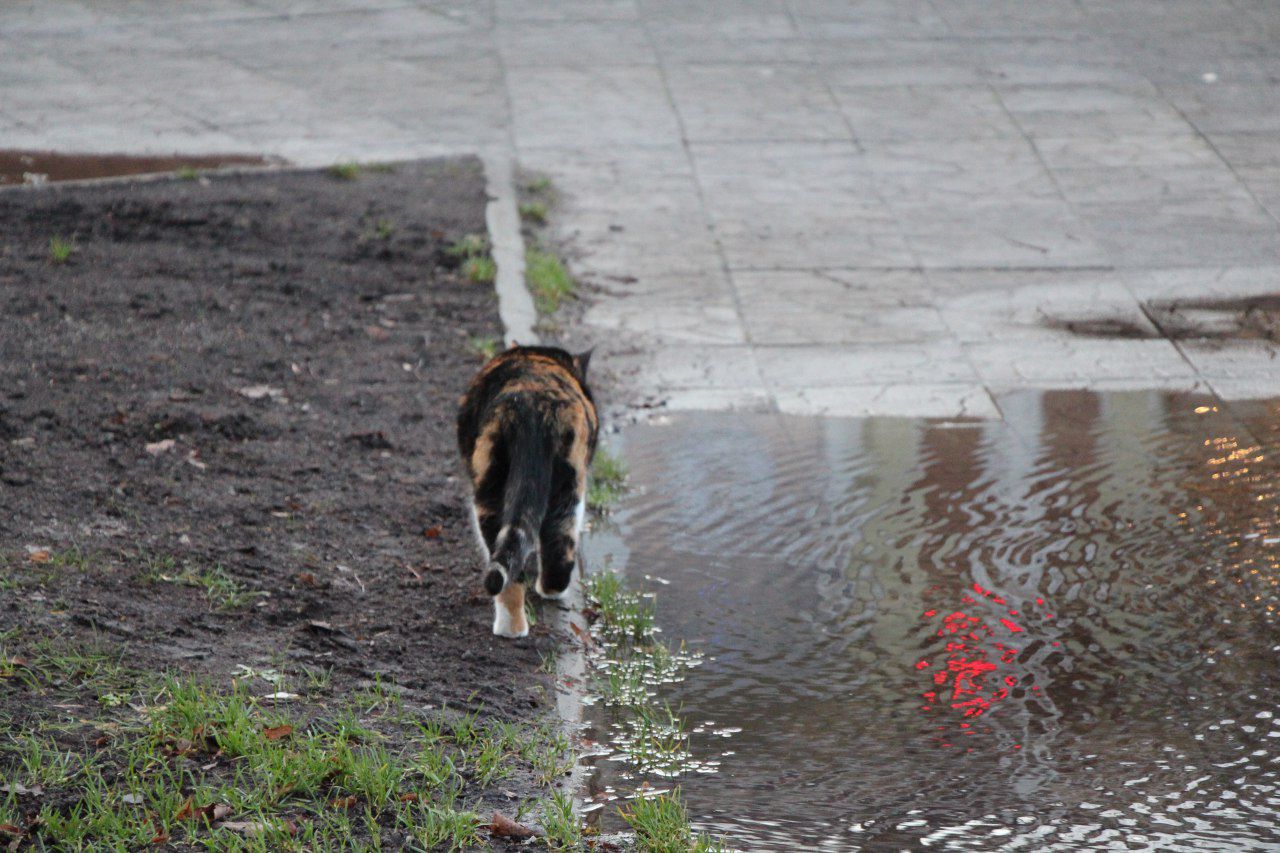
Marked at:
<point>186,173</point>
<point>548,280</point>
<point>60,250</point>
<point>534,212</point>
<point>345,171</point>
<point>661,825</point>
<point>480,270</point>
<point>608,481</point>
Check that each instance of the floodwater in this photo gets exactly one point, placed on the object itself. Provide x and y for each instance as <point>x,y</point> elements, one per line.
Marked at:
<point>1055,631</point>
<point>18,167</point>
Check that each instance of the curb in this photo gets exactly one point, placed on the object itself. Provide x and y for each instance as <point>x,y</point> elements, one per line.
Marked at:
<point>502,215</point>
<point>519,317</point>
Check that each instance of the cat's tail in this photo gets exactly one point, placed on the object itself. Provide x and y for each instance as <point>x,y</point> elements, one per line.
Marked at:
<point>529,452</point>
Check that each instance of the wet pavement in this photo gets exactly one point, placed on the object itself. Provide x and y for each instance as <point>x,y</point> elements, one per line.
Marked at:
<point>1053,631</point>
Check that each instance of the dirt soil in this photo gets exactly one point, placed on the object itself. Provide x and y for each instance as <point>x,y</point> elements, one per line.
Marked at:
<point>250,377</point>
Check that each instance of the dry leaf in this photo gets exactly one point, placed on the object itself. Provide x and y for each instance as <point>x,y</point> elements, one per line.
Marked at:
<point>308,579</point>
<point>501,826</point>
<point>38,554</point>
<point>410,798</point>
<point>277,732</point>
<point>432,532</point>
<point>155,448</point>
<point>11,829</point>
<point>343,802</point>
<point>582,635</point>
<point>248,827</point>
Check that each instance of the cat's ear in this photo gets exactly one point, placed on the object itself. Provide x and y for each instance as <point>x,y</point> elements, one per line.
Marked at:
<point>581,360</point>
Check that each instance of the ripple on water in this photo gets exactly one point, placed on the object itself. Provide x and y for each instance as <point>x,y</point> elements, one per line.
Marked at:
<point>1050,632</point>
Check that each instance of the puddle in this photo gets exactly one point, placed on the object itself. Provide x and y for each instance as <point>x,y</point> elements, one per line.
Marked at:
<point>1053,632</point>
<point>19,167</point>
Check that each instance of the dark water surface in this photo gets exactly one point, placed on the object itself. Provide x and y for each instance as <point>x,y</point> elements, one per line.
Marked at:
<point>1057,631</point>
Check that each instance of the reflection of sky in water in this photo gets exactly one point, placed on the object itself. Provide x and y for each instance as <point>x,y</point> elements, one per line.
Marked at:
<point>1053,630</point>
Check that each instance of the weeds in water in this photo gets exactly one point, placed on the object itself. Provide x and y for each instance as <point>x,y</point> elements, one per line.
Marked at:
<point>608,481</point>
<point>548,280</point>
<point>661,825</point>
<point>346,171</point>
<point>60,250</point>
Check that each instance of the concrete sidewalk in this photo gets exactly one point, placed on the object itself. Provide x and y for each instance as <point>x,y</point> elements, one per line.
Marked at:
<point>877,206</point>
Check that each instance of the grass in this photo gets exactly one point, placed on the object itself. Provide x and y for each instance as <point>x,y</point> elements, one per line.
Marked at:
<point>185,762</point>
<point>60,250</point>
<point>563,828</point>
<point>661,825</point>
<point>548,280</point>
<point>186,173</point>
<point>473,251</point>
<point>608,481</point>
<point>380,229</point>
<point>222,591</point>
<point>348,170</point>
<point>480,270</point>
<point>534,212</point>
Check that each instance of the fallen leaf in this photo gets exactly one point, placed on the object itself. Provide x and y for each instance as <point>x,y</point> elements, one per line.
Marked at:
<point>410,798</point>
<point>11,829</point>
<point>38,554</point>
<point>248,827</point>
<point>185,811</point>
<point>376,333</point>
<point>309,579</point>
<point>501,826</point>
<point>585,637</point>
<point>277,732</point>
<point>155,448</point>
<point>193,459</point>
<point>432,532</point>
<point>161,837</point>
<point>343,802</point>
<point>282,696</point>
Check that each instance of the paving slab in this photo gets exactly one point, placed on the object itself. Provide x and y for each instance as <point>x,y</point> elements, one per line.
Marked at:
<point>820,207</point>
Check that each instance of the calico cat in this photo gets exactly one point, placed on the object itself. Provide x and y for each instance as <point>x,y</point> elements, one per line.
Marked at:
<point>527,429</point>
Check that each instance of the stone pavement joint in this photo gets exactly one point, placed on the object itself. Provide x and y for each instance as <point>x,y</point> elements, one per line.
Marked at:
<point>815,207</point>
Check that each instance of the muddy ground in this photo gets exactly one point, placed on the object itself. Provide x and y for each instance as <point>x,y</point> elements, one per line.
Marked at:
<point>226,434</point>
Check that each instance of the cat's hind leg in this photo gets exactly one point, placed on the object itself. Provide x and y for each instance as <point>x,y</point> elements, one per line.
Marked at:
<point>560,534</point>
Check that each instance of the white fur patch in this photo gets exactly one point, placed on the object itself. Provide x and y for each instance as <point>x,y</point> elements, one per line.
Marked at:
<point>475,526</point>
<point>579,516</point>
<point>508,613</point>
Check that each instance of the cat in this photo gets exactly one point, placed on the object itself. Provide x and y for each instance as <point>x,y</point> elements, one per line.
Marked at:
<point>527,431</point>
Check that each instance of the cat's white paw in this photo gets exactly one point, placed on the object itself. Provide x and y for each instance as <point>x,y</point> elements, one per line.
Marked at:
<point>554,596</point>
<point>509,622</point>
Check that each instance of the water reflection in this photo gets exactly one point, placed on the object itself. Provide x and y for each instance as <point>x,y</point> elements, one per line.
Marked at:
<point>1054,631</point>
